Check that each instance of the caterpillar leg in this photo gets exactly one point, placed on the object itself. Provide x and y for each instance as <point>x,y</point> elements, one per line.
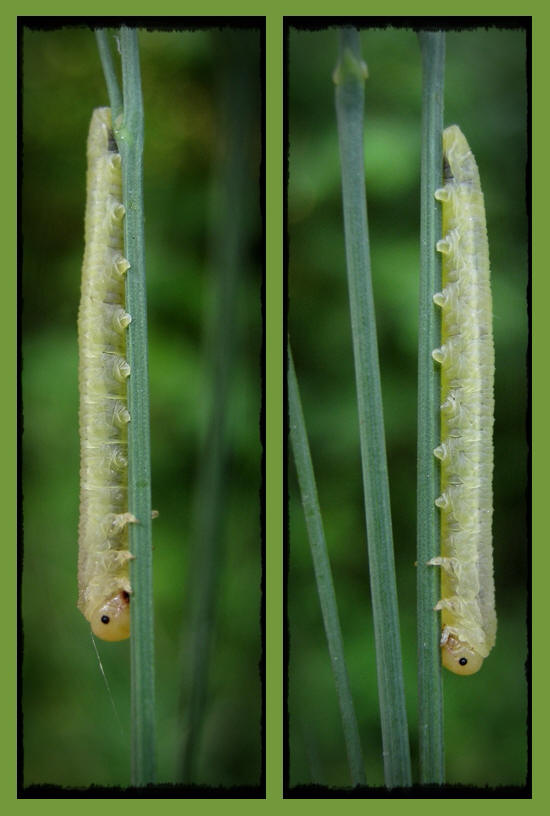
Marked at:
<point>115,560</point>
<point>449,565</point>
<point>121,520</point>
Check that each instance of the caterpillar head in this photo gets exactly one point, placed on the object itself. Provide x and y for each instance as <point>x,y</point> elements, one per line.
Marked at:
<point>111,621</point>
<point>460,658</point>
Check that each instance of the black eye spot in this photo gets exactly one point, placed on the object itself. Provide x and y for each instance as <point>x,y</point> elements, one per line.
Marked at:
<point>105,619</point>
<point>463,661</point>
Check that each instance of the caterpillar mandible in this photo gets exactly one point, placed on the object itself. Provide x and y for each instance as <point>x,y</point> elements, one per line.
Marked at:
<point>466,357</point>
<point>103,575</point>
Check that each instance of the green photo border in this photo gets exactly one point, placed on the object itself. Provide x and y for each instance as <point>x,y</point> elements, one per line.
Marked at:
<point>11,412</point>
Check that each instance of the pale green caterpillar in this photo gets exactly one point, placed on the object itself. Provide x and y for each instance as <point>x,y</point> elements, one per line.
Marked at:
<point>103,575</point>
<point>467,405</point>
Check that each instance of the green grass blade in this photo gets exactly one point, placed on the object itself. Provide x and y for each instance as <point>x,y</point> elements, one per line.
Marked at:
<point>130,141</point>
<point>109,72</point>
<point>323,576</point>
<point>430,695</point>
<point>350,79</point>
<point>229,231</point>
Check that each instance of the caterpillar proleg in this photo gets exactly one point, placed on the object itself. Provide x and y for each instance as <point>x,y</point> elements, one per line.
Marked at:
<point>466,357</point>
<point>103,575</point>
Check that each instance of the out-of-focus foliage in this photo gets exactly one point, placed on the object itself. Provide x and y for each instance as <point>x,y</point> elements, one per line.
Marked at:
<point>71,735</point>
<point>486,86</point>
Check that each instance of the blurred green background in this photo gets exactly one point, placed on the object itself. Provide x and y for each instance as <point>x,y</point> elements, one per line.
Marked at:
<point>201,94</point>
<point>485,93</point>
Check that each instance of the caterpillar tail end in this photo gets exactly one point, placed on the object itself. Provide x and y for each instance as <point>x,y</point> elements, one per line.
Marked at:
<point>111,621</point>
<point>460,658</point>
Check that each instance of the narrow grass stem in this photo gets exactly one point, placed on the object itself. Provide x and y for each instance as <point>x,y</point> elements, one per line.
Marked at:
<point>430,695</point>
<point>129,135</point>
<point>323,576</point>
<point>349,77</point>
<point>109,72</point>
<point>229,232</point>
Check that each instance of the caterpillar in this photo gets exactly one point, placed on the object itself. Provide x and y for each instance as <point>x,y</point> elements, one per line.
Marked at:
<point>466,357</point>
<point>103,560</point>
